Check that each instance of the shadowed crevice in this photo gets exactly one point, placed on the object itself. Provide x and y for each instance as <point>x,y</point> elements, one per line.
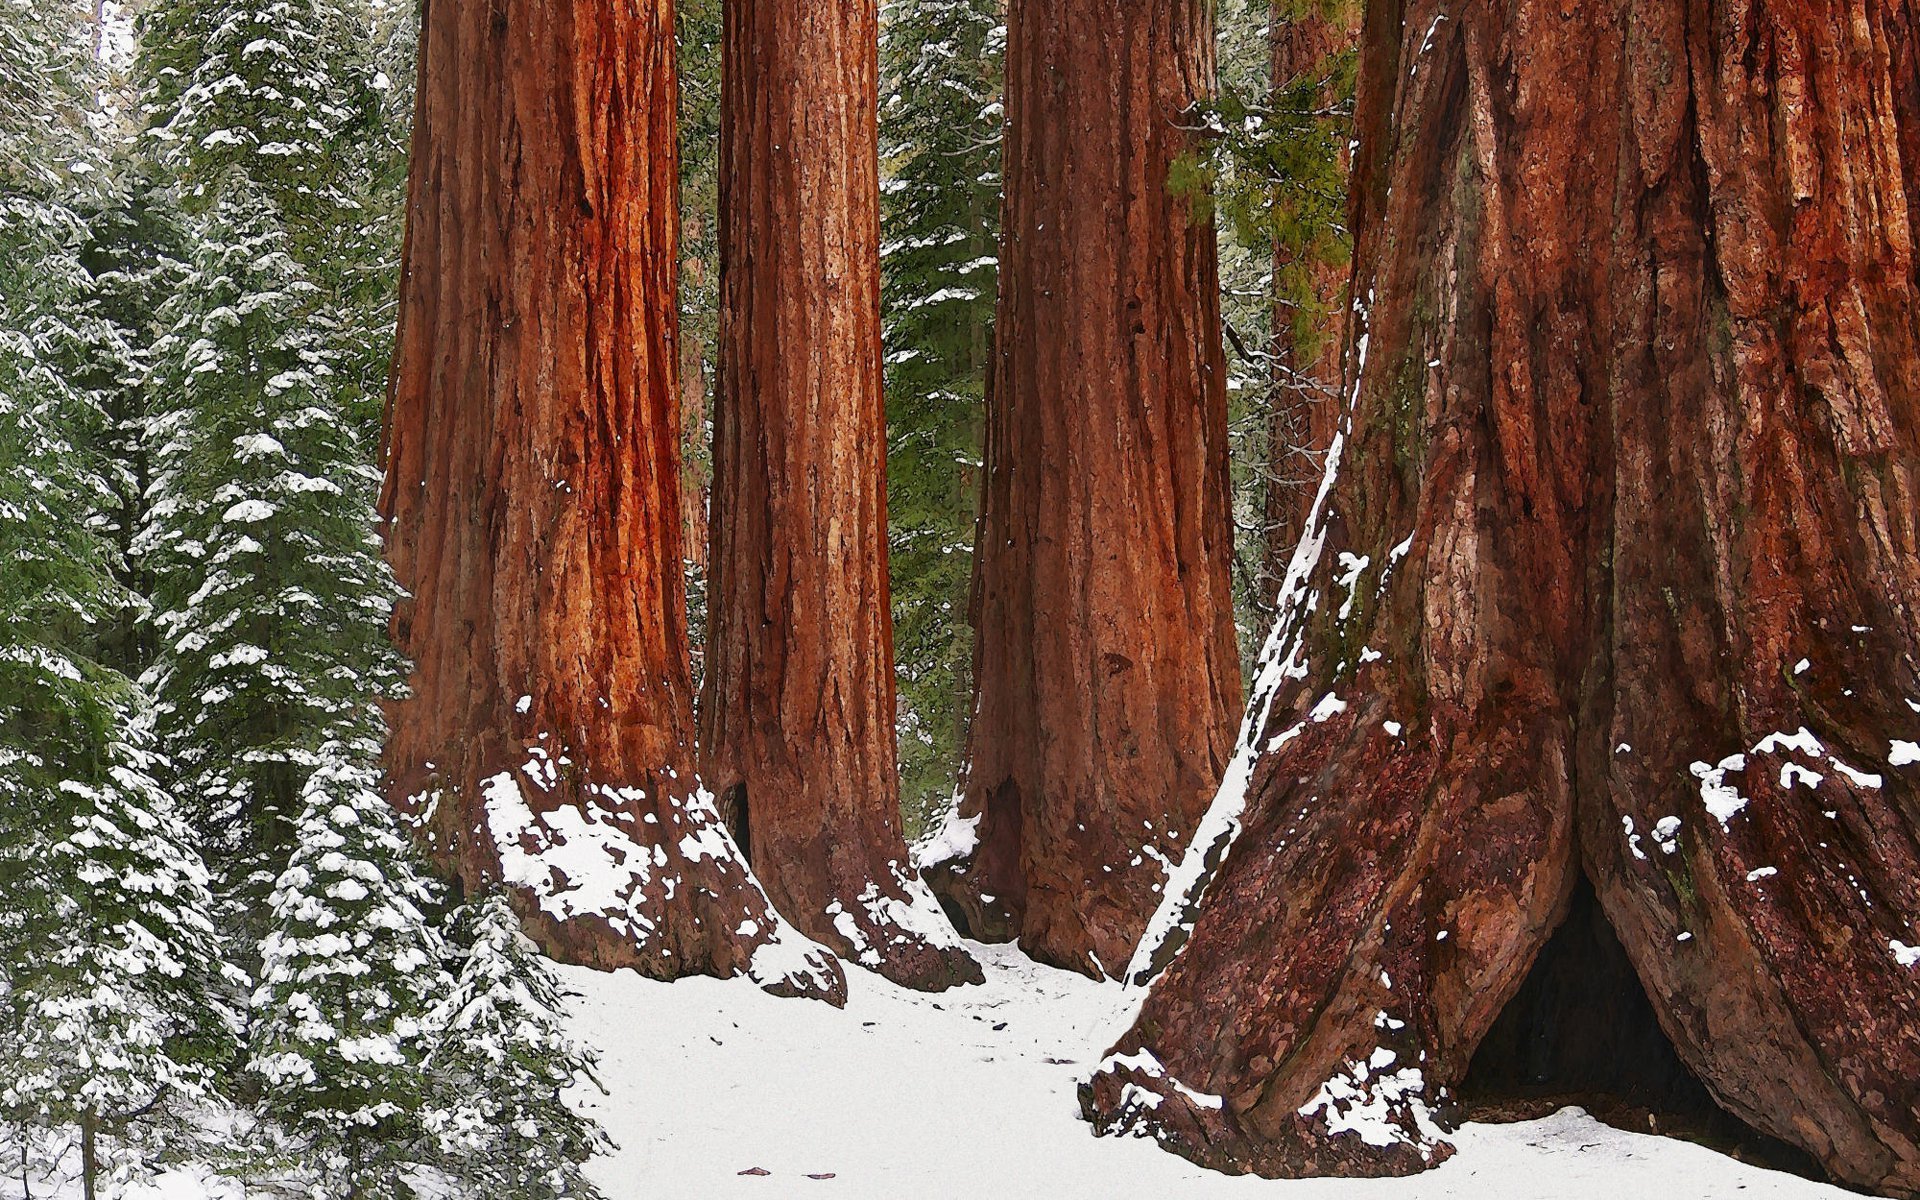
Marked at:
<point>1581,1031</point>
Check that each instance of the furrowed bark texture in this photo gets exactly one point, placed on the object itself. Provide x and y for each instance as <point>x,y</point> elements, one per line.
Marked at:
<point>798,718</point>
<point>1619,575</point>
<point>1306,371</point>
<point>1106,669</point>
<point>533,494</point>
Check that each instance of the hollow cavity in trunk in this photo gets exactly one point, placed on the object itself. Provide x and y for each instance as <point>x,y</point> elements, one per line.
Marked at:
<point>1581,1031</point>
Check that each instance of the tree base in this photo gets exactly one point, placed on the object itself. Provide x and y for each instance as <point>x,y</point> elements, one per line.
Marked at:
<point>900,934</point>
<point>1381,1137</point>
<point>608,878</point>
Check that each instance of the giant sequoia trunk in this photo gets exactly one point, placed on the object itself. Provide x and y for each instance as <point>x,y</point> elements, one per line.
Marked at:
<point>799,708</point>
<point>533,491</point>
<point>1617,579</point>
<point>1305,39</point>
<point>1106,669</point>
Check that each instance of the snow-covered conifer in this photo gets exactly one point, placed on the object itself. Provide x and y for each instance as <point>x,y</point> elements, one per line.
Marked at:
<point>350,980</point>
<point>270,593</point>
<point>940,128</point>
<point>502,1063</point>
<point>110,1010</point>
<point>281,93</point>
<point>302,103</point>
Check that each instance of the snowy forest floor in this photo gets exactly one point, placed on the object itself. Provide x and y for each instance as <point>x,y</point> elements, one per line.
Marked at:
<point>971,1093</point>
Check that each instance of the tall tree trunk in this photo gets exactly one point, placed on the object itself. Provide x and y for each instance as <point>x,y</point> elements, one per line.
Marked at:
<point>533,490</point>
<point>1620,575</point>
<point>1106,668</point>
<point>89,1155</point>
<point>696,473</point>
<point>696,480</point>
<point>798,719</point>
<point>1307,345</point>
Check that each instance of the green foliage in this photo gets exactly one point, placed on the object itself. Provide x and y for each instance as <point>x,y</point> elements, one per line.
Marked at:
<point>112,1000</point>
<point>270,592</point>
<point>1272,172</point>
<point>502,1063</point>
<point>109,980</point>
<point>195,324</point>
<point>348,979</point>
<point>697,29</point>
<point>940,211</point>
<point>1276,174</point>
<point>272,124</point>
<point>132,254</point>
<point>278,92</point>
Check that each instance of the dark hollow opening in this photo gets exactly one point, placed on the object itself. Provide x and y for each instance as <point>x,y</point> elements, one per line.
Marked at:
<point>1581,1031</point>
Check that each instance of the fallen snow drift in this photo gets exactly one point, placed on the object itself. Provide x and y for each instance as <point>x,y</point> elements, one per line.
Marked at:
<point>971,1093</point>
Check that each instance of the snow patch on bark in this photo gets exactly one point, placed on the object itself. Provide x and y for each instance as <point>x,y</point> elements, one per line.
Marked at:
<point>1186,880</point>
<point>1725,802</point>
<point>1136,1101</point>
<point>594,860</point>
<point>914,918</point>
<point>1380,1106</point>
<point>1801,742</point>
<point>1633,838</point>
<point>1858,778</point>
<point>789,958</point>
<point>1722,799</point>
<point>574,861</point>
<point>955,839</point>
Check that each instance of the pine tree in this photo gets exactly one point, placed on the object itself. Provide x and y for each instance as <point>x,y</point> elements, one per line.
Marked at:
<point>112,996</point>
<point>349,976</point>
<point>309,104</point>
<point>282,94</point>
<point>270,594</point>
<point>132,258</point>
<point>275,123</point>
<point>368,263</point>
<point>940,212</point>
<point>502,1063</point>
<point>109,996</point>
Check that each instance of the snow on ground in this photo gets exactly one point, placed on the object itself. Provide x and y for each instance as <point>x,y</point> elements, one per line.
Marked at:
<point>971,1094</point>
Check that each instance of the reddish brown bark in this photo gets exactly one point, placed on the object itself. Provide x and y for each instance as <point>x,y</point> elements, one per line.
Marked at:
<point>798,716</point>
<point>1630,491</point>
<point>1305,41</point>
<point>533,492</point>
<point>695,479</point>
<point>1106,670</point>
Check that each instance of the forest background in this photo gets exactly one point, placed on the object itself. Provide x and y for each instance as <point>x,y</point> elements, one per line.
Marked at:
<point>200,234</point>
